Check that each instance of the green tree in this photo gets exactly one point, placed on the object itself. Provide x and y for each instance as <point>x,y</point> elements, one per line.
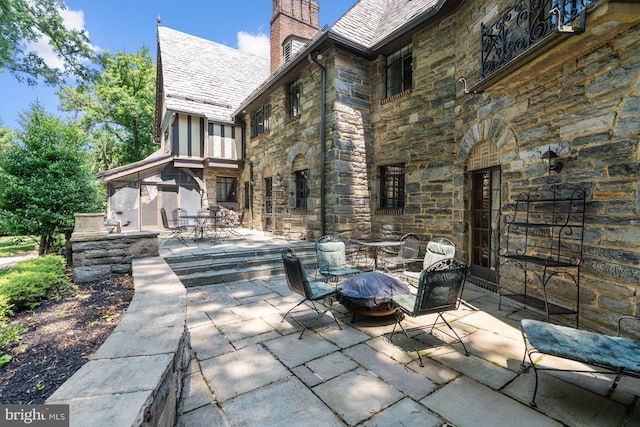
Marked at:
<point>6,137</point>
<point>45,179</point>
<point>24,21</point>
<point>118,104</point>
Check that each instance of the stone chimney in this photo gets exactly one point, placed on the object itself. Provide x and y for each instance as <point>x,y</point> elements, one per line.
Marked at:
<point>294,22</point>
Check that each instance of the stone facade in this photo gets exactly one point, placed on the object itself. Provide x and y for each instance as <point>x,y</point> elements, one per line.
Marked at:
<point>582,97</point>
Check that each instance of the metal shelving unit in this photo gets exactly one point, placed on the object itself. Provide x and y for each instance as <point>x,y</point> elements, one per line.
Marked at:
<point>544,236</point>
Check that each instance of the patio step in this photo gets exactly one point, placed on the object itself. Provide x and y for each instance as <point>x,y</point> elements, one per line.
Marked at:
<point>238,264</point>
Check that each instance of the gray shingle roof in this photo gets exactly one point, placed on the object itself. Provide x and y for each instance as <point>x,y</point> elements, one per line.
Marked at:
<point>369,22</point>
<point>206,78</point>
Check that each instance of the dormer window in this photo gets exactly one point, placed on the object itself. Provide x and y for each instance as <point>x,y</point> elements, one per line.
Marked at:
<point>291,46</point>
<point>286,51</point>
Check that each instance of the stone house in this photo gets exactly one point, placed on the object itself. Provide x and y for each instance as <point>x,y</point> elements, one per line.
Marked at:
<point>433,116</point>
<point>452,118</point>
<point>199,84</point>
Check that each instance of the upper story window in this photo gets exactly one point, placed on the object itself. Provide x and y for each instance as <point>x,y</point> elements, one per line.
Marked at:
<point>400,71</point>
<point>226,189</point>
<point>302,188</point>
<point>260,120</point>
<point>392,186</point>
<point>293,99</point>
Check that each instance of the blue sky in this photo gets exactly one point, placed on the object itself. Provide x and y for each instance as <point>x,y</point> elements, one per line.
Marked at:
<point>119,25</point>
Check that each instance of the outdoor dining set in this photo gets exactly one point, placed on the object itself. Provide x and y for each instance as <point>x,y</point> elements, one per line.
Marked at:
<point>214,224</point>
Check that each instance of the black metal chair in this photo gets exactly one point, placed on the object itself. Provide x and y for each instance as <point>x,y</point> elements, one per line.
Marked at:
<point>439,290</point>
<point>332,258</point>
<point>175,231</point>
<point>311,291</point>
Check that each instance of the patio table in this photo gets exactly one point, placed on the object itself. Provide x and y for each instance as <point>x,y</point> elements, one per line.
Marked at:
<point>376,244</point>
<point>200,226</point>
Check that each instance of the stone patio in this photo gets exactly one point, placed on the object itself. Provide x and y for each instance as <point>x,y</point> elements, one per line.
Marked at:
<point>249,368</point>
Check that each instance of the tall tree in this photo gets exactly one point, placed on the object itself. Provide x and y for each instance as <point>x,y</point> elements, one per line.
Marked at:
<point>119,103</point>
<point>45,179</point>
<point>6,137</point>
<point>26,21</point>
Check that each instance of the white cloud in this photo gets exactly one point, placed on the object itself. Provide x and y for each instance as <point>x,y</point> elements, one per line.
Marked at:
<point>257,44</point>
<point>72,19</point>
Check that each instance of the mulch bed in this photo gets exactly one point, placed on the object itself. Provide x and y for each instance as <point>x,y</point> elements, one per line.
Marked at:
<point>62,336</point>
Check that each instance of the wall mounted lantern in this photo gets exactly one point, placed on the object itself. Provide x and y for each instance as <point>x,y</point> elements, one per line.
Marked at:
<point>550,158</point>
<point>278,177</point>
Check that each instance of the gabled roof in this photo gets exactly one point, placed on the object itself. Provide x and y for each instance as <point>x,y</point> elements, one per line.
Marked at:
<point>157,159</point>
<point>370,28</point>
<point>370,22</point>
<point>206,78</point>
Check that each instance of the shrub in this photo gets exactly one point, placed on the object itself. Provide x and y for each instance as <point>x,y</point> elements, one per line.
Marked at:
<point>28,283</point>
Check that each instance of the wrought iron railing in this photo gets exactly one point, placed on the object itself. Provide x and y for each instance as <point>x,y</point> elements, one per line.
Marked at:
<point>526,24</point>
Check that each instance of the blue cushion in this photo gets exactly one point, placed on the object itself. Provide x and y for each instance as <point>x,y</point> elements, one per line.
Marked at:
<point>583,346</point>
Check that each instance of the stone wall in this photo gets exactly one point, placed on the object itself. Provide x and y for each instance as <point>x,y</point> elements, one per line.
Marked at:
<point>99,256</point>
<point>582,100</point>
<point>136,376</point>
<point>582,97</point>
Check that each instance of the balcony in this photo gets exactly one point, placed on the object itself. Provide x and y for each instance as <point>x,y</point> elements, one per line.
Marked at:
<point>535,35</point>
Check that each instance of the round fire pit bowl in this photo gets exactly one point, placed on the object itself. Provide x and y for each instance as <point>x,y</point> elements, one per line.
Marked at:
<point>370,294</point>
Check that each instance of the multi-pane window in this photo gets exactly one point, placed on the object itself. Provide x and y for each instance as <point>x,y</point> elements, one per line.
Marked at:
<point>400,71</point>
<point>261,119</point>
<point>295,90</point>
<point>226,189</point>
<point>302,188</point>
<point>392,186</point>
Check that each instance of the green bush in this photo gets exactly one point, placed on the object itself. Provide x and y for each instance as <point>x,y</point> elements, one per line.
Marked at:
<point>28,283</point>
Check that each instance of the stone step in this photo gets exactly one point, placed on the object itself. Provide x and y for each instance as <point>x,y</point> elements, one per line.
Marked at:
<point>237,264</point>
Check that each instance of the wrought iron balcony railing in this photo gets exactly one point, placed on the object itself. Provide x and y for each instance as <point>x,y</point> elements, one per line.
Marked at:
<point>526,24</point>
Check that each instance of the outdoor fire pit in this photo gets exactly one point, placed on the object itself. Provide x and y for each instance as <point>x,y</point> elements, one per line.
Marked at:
<point>369,294</point>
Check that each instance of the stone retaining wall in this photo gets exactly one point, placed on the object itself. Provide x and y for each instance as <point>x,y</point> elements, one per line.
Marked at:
<point>135,378</point>
<point>100,256</point>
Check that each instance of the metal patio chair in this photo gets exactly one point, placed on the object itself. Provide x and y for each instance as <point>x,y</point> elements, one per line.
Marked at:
<point>314,291</point>
<point>407,254</point>
<point>175,231</point>
<point>439,290</point>
<point>332,258</point>
<point>438,248</point>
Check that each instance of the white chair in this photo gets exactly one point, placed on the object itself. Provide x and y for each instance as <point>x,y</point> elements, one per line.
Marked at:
<point>437,249</point>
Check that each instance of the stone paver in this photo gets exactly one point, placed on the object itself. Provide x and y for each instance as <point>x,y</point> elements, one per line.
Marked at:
<point>404,413</point>
<point>357,395</point>
<point>250,368</point>
<point>244,370</point>
<point>466,403</point>
<point>296,406</point>
<point>293,351</point>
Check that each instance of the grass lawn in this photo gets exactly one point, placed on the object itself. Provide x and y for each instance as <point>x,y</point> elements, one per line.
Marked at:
<point>10,245</point>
